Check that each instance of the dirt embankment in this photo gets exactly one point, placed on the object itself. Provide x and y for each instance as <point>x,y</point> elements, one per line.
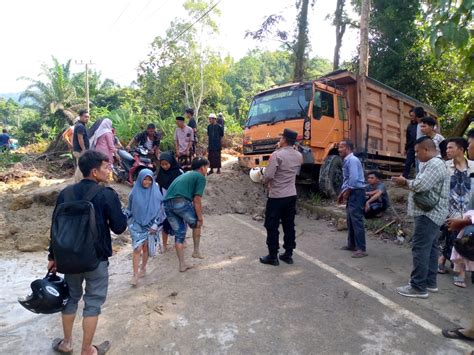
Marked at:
<point>28,200</point>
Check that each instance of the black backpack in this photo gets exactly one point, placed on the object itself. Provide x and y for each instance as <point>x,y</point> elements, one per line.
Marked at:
<point>74,233</point>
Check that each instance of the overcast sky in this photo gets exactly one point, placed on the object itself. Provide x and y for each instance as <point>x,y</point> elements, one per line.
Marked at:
<point>115,35</point>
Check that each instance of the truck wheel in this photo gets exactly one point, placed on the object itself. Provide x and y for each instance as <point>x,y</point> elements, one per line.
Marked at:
<point>330,176</point>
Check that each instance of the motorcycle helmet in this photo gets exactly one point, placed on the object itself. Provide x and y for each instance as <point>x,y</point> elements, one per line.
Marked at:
<point>465,245</point>
<point>49,295</point>
<point>256,174</point>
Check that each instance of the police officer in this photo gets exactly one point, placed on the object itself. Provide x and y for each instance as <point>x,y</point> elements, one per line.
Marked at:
<point>280,176</point>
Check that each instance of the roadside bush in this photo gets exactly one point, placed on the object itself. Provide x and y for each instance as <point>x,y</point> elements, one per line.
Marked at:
<point>127,124</point>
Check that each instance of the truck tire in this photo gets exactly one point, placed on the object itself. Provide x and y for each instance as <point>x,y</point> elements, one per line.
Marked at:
<point>330,176</point>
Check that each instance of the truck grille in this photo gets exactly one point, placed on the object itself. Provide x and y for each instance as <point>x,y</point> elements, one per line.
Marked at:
<point>264,146</point>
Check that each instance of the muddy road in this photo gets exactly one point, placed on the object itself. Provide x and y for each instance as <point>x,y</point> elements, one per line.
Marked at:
<point>229,303</point>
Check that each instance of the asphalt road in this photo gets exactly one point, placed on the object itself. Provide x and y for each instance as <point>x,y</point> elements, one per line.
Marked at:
<point>326,303</point>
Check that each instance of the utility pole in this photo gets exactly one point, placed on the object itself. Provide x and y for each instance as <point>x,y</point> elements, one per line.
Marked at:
<point>364,39</point>
<point>86,63</point>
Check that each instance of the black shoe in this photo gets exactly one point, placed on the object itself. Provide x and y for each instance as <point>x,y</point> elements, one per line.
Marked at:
<point>287,258</point>
<point>270,260</point>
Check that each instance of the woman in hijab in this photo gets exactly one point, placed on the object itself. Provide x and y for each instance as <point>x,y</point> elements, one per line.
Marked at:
<point>102,139</point>
<point>145,217</point>
<point>169,171</point>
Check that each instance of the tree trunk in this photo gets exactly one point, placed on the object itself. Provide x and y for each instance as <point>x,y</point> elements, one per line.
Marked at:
<point>340,30</point>
<point>364,39</point>
<point>463,125</point>
<point>302,41</point>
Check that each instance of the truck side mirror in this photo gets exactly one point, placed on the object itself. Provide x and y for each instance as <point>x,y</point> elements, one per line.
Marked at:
<point>317,105</point>
<point>308,94</point>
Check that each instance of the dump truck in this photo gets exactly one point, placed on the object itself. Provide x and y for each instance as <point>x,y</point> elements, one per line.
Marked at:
<point>337,106</point>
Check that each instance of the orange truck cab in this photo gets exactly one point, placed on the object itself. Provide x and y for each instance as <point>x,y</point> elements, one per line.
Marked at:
<point>325,111</point>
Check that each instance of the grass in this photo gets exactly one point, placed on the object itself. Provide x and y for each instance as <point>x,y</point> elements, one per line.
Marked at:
<point>317,199</point>
<point>7,159</point>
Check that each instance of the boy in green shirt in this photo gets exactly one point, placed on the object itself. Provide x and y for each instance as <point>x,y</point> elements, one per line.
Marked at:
<point>183,207</point>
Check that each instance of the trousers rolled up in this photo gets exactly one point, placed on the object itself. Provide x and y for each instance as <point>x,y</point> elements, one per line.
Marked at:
<point>425,254</point>
<point>280,210</point>
<point>355,220</point>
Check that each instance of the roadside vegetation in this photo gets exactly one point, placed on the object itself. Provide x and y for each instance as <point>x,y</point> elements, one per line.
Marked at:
<point>421,48</point>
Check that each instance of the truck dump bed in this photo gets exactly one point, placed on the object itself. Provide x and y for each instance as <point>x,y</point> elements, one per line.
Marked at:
<point>378,117</point>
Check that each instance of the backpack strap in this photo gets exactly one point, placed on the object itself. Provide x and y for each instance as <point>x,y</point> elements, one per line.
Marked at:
<point>69,194</point>
<point>93,192</point>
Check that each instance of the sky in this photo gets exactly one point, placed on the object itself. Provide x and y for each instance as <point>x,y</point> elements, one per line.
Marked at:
<point>116,35</point>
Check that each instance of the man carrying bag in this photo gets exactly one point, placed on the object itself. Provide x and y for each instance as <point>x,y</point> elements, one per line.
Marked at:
<point>428,205</point>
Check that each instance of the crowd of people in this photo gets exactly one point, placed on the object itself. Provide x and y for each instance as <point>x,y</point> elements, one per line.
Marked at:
<point>167,201</point>
<point>170,202</point>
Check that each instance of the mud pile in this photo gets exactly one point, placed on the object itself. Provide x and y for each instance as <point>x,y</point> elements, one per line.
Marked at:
<point>27,207</point>
<point>233,192</point>
<point>26,210</point>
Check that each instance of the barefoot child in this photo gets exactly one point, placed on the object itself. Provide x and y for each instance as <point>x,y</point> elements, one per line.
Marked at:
<point>145,214</point>
<point>169,171</point>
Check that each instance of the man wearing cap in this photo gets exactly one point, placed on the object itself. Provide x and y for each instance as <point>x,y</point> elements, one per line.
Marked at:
<point>215,133</point>
<point>150,139</point>
<point>183,138</point>
<point>280,177</point>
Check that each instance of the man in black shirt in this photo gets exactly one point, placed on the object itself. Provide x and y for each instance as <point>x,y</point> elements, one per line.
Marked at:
<point>150,139</point>
<point>215,132</point>
<point>80,141</point>
<point>108,213</point>
<point>410,144</point>
<point>189,113</point>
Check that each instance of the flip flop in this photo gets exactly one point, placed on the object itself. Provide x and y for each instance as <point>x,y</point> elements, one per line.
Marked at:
<point>56,348</point>
<point>457,334</point>
<point>459,282</point>
<point>103,347</point>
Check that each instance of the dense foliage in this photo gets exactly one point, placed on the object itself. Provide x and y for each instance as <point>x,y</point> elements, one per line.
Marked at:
<point>413,47</point>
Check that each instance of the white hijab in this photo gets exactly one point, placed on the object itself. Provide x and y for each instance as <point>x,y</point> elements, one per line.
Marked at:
<point>105,127</point>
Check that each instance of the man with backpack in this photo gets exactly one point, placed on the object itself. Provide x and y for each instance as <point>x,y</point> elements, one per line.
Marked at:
<point>81,245</point>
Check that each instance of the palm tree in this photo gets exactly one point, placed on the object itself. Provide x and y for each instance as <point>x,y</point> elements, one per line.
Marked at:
<point>55,96</point>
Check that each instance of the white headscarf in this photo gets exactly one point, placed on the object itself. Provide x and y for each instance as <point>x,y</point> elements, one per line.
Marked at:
<point>105,127</point>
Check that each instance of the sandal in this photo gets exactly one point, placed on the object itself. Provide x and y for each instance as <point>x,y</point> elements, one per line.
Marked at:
<point>102,348</point>
<point>455,334</point>
<point>459,282</point>
<point>442,269</point>
<point>359,254</point>
<point>55,345</point>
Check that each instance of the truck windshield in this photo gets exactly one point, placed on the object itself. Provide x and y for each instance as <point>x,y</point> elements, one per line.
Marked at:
<point>278,105</point>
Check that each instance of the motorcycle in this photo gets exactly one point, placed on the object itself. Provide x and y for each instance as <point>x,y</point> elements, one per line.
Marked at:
<point>129,166</point>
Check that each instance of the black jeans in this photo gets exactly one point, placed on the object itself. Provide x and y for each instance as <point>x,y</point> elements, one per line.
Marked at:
<point>284,210</point>
<point>425,254</point>
<point>409,162</point>
<point>355,219</point>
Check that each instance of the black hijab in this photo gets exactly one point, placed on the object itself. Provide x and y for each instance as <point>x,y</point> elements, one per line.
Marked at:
<point>166,177</point>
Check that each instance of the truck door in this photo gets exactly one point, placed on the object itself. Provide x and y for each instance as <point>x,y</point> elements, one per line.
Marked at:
<point>326,127</point>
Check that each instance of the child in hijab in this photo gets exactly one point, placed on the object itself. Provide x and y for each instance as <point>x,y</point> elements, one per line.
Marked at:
<point>169,171</point>
<point>146,215</point>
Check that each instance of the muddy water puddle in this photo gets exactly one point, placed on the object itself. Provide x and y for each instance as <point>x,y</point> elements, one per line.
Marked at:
<point>24,332</point>
<point>16,323</point>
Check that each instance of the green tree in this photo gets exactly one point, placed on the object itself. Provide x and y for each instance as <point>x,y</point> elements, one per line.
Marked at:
<point>54,96</point>
<point>451,27</point>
